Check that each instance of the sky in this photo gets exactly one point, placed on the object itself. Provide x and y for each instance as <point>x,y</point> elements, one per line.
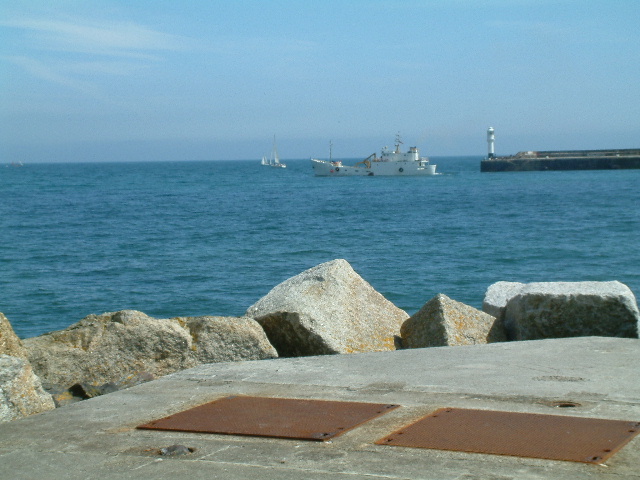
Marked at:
<point>136,80</point>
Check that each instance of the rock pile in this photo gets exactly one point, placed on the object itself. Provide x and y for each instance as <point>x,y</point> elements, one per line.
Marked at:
<point>445,322</point>
<point>10,344</point>
<point>564,309</point>
<point>328,309</point>
<point>21,392</point>
<point>112,350</point>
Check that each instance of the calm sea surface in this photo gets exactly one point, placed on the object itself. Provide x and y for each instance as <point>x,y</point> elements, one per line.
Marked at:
<point>211,238</point>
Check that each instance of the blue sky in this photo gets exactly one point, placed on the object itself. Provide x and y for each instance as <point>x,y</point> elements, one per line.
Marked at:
<point>209,80</point>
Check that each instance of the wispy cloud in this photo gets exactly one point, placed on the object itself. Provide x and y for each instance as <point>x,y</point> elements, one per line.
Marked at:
<point>106,38</point>
<point>76,54</point>
<point>530,26</point>
<point>271,45</point>
<point>46,72</point>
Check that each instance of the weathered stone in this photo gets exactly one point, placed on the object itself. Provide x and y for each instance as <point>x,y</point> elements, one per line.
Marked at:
<point>21,393</point>
<point>176,450</point>
<point>114,346</point>
<point>572,309</point>
<point>107,347</point>
<point>328,309</point>
<point>497,296</point>
<point>82,391</point>
<point>64,397</point>
<point>445,322</point>
<point>10,344</point>
<point>227,339</point>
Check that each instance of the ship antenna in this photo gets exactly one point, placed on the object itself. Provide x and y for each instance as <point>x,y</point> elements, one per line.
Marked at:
<point>398,142</point>
<point>330,150</point>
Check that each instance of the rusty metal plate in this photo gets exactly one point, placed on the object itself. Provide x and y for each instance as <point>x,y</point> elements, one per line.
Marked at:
<point>272,417</point>
<point>552,437</point>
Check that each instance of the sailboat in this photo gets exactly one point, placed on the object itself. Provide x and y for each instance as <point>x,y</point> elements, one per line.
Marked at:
<point>274,160</point>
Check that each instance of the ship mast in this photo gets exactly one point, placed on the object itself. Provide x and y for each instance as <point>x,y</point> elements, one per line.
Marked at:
<point>398,143</point>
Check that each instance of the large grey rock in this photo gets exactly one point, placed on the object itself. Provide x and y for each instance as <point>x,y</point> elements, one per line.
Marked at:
<point>497,296</point>
<point>21,393</point>
<point>445,322</point>
<point>572,309</point>
<point>111,347</point>
<point>10,343</point>
<point>328,309</point>
<point>227,339</point>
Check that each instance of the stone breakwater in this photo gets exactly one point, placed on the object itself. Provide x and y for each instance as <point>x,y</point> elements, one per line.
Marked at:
<point>564,160</point>
<point>328,309</point>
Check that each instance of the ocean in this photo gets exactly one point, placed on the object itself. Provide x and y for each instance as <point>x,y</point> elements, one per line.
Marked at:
<point>211,238</point>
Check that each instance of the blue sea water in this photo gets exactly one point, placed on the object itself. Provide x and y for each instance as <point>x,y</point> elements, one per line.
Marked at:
<point>211,238</point>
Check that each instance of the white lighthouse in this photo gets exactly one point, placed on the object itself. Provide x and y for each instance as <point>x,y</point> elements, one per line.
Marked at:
<point>490,139</point>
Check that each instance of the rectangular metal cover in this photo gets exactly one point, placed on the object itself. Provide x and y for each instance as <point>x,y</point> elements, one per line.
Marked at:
<point>272,417</point>
<point>552,437</point>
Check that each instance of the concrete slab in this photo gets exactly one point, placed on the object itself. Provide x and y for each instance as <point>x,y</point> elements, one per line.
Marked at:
<point>97,438</point>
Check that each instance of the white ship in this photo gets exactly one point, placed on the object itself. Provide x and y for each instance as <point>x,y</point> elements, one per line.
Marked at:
<point>389,163</point>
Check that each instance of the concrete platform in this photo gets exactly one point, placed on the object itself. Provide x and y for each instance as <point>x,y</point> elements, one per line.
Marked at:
<point>97,438</point>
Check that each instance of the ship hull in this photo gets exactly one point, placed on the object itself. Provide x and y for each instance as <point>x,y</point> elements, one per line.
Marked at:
<point>324,168</point>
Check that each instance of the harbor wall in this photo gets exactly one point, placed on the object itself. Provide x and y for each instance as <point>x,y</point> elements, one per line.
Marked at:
<point>564,160</point>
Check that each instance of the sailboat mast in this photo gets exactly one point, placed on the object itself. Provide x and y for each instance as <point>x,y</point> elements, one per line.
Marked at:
<point>275,151</point>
